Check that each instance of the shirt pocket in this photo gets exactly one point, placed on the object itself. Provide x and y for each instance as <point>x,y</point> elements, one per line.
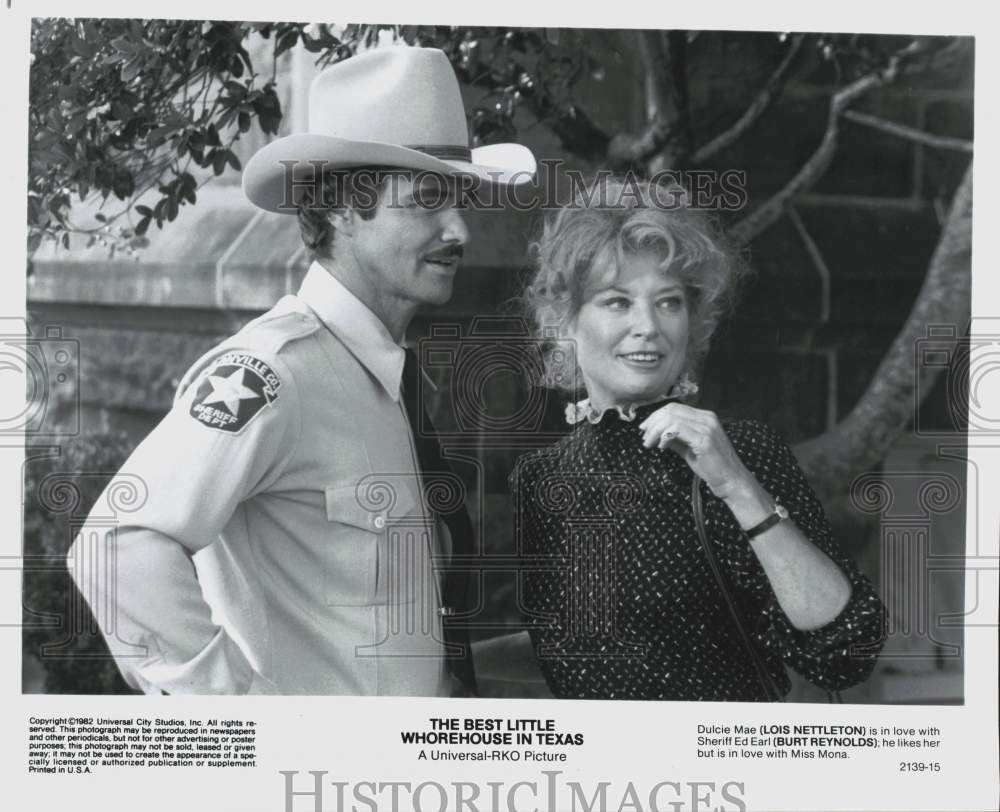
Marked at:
<point>356,554</point>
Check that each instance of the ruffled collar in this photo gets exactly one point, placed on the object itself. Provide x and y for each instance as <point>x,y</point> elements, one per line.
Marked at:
<point>585,410</point>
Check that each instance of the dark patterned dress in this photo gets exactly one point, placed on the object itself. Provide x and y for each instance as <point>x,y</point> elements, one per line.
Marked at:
<point>620,598</point>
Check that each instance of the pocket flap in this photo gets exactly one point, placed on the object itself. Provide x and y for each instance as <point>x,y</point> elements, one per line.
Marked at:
<point>369,504</point>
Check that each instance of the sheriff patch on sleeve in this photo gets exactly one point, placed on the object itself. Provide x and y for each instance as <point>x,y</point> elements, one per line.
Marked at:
<point>234,392</point>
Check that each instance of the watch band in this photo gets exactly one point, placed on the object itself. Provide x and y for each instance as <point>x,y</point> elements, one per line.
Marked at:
<point>777,515</point>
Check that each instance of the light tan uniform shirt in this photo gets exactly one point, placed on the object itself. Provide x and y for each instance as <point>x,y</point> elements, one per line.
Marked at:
<point>287,466</point>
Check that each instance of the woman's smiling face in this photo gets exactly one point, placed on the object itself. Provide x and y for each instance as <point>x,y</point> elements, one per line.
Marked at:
<point>631,333</point>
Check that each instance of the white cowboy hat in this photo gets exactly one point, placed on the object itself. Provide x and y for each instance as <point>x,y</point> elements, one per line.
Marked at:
<point>394,106</point>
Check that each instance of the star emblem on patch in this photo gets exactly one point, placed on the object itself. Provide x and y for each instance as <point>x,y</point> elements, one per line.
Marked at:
<point>234,391</point>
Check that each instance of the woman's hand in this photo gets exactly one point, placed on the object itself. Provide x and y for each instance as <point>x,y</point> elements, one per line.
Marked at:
<point>697,435</point>
<point>810,587</point>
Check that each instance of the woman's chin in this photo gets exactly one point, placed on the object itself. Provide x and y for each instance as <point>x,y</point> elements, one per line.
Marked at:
<point>638,396</point>
<point>649,390</point>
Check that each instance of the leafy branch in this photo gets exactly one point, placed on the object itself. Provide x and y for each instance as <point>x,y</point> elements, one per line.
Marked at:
<point>120,107</point>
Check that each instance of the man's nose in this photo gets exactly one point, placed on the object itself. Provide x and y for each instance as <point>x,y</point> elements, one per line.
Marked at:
<point>454,230</point>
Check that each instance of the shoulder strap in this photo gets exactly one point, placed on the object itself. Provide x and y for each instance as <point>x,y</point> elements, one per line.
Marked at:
<point>766,679</point>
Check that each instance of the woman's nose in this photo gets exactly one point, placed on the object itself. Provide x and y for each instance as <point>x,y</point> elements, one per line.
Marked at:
<point>644,321</point>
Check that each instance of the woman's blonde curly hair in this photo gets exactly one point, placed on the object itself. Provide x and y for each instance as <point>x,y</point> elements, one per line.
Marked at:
<point>610,220</point>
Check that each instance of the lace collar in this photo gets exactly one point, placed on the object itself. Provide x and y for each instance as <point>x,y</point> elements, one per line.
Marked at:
<point>585,410</point>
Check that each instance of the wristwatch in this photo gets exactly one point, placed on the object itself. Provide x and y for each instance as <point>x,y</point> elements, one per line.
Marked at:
<point>777,515</point>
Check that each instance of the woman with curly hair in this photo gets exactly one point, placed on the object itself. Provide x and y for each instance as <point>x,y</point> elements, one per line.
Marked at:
<point>668,555</point>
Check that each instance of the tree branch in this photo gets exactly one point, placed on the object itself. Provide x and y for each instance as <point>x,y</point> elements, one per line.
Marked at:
<point>762,101</point>
<point>886,408</point>
<point>665,103</point>
<point>909,133</point>
<point>813,169</point>
<point>576,131</point>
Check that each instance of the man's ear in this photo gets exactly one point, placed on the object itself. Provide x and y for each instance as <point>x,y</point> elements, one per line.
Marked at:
<point>343,220</point>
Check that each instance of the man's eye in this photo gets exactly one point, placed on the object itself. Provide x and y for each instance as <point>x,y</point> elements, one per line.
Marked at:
<point>434,199</point>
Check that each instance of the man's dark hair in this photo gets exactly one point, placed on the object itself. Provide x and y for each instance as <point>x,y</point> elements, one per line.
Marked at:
<point>357,187</point>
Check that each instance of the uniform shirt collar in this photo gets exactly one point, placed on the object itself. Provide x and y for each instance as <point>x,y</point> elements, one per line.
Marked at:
<point>360,330</point>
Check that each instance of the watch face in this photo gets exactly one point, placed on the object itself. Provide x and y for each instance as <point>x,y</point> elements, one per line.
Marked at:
<point>781,511</point>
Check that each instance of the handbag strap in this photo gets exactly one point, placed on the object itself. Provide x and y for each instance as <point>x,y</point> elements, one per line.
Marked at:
<point>767,682</point>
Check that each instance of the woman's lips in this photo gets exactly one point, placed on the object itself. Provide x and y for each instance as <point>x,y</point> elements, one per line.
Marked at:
<point>643,360</point>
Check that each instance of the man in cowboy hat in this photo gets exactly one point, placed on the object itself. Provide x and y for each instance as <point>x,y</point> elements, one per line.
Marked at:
<point>295,459</point>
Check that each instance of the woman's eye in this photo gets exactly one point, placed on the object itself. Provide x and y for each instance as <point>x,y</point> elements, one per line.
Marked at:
<point>616,303</point>
<point>671,303</point>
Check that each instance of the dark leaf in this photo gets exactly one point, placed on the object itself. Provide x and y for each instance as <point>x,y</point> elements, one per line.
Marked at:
<point>314,46</point>
<point>119,111</point>
<point>131,69</point>
<point>142,226</point>
<point>285,42</point>
<point>34,240</point>
<point>82,48</point>
<point>269,124</point>
<point>245,57</point>
<point>144,211</point>
<point>123,185</point>
<point>159,135</point>
<point>233,161</point>
<point>124,46</point>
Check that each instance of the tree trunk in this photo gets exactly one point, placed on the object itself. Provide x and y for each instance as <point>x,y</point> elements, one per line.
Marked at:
<point>885,410</point>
